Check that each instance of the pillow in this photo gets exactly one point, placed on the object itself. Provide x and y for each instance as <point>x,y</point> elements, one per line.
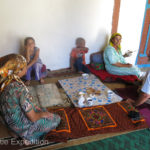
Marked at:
<point>43,68</point>
<point>46,95</point>
<point>97,66</point>
<point>97,58</point>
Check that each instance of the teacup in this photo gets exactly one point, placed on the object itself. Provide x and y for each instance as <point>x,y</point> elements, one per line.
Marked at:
<point>85,76</point>
<point>110,93</point>
<point>90,101</point>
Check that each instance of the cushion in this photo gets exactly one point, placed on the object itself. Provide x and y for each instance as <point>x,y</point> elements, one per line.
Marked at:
<point>98,66</point>
<point>46,95</point>
<point>97,58</point>
<point>43,68</point>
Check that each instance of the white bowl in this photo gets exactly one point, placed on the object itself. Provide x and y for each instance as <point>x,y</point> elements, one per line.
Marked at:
<point>85,76</point>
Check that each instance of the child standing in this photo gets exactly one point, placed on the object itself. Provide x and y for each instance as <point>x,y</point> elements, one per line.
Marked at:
<point>77,60</point>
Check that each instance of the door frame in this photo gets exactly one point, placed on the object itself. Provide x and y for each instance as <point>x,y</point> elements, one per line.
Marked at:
<point>147,39</point>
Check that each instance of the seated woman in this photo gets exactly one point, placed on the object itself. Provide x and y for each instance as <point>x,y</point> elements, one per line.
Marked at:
<point>77,60</point>
<point>19,114</point>
<point>33,60</point>
<point>114,60</point>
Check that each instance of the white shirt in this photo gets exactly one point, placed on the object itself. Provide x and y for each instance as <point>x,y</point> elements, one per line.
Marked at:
<point>146,86</point>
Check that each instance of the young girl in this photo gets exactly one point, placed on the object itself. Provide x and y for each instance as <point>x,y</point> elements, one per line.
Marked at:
<point>33,60</point>
<point>77,60</point>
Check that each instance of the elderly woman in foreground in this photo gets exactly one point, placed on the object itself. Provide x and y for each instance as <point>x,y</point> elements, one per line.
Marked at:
<point>115,62</point>
<point>19,114</point>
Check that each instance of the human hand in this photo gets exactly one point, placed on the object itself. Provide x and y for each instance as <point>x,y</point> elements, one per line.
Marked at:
<point>130,102</point>
<point>85,49</point>
<point>125,55</point>
<point>38,108</point>
<point>27,48</point>
<point>47,115</point>
<point>28,67</point>
<point>129,65</point>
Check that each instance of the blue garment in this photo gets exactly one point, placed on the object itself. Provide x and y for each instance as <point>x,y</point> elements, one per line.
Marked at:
<point>97,58</point>
<point>37,71</point>
<point>37,67</point>
<point>31,57</point>
<point>111,56</point>
<point>146,86</point>
<point>80,66</point>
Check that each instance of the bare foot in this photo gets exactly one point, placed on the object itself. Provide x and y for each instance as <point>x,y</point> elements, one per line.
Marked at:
<point>27,82</point>
<point>42,81</point>
<point>80,72</point>
<point>130,101</point>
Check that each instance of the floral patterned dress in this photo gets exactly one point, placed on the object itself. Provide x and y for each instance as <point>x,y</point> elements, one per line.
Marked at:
<point>15,102</point>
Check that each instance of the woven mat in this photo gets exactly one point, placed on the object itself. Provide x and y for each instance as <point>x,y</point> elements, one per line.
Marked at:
<point>81,122</point>
<point>46,95</point>
<point>84,122</point>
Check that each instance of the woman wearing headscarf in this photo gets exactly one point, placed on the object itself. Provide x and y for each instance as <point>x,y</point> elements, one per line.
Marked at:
<point>115,62</point>
<point>20,115</point>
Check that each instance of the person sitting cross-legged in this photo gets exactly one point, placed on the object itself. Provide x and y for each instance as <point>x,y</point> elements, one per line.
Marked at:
<point>115,62</point>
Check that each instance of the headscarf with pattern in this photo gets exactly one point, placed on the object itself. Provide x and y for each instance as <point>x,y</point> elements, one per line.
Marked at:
<point>10,66</point>
<point>112,36</point>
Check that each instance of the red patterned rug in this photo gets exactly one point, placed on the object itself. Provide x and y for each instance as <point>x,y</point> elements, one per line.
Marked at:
<point>131,92</point>
<point>107,77</point>
<point>81,122</point>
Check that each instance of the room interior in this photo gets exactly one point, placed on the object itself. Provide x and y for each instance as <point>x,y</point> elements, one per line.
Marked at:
<point>55,24</point>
